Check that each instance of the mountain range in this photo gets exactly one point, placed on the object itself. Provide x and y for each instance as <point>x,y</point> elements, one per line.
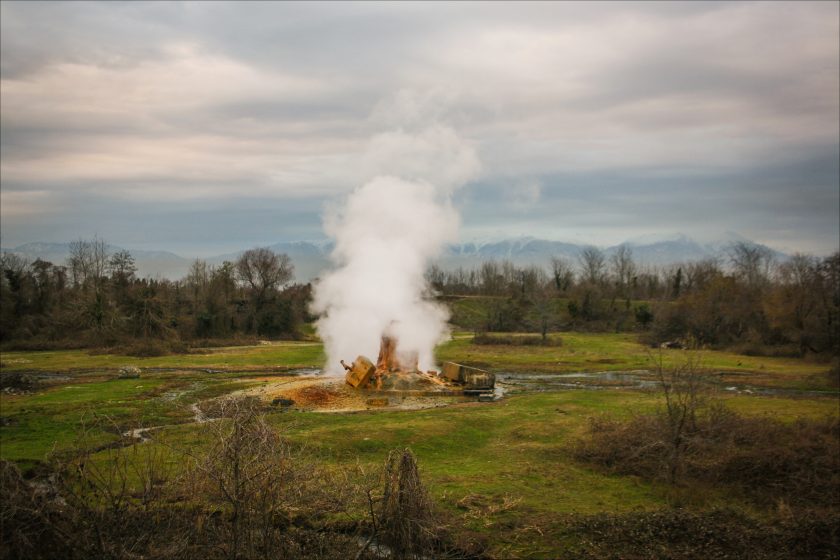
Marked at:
<point>312,257</point>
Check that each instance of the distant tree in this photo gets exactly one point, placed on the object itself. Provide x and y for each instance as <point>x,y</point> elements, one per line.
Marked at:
<point>491,278</point>
<point>224,278</point>
<point>263,270</point>
<point>88,262</point>
<point>676,284</point>
<point>149,310</point>
<point>751,263</point>
<point>122,268</point>
<point>624,270</point>
<point>197,279</point>
<point>793,306</point>
<point>42,273</point>
<point>16,291</point>
<point>644,316</point>
<point>436,278</point>
<point>698,274</point>
<point>531,281</point>
<point>592,262</point>
<point>562,274</point>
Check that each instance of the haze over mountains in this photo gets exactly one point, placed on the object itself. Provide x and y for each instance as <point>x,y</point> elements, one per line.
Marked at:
<point>311,257</point>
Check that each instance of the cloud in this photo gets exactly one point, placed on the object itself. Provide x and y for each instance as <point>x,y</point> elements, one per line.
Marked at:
<point>168,105</point>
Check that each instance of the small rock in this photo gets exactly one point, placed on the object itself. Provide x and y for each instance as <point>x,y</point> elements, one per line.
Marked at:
<point>280,401</point>
<point>129,372</point>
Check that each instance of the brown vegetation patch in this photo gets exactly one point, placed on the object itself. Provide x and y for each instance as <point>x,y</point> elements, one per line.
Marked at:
<point>315,395</point>
<point>769,460</point>
<point>516,340</point>
<point>717,534</point>
<point>249,494</point>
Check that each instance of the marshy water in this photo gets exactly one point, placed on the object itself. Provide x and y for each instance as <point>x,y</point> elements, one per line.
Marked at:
<point>508,382</point>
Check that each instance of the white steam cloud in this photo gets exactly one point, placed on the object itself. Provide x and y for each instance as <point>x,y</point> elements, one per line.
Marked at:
<point>387,233</point>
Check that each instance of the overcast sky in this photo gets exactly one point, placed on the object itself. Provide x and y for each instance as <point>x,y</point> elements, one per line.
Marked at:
<point>208,127</point>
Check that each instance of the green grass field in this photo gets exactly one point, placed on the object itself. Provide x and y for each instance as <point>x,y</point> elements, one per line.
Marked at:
<point>279,354</point>
<point>505,469</point>
<point>580,352</point>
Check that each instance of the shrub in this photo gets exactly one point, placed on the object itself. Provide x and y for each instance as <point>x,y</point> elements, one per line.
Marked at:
<point>770,460</point>
<point>716,534</point>
<point>406,522</point>
<point>516,340</point>
<point>249,495</point>
<point>151,347</point>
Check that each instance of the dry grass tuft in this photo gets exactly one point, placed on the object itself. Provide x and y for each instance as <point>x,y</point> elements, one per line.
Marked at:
<point>769,460</point>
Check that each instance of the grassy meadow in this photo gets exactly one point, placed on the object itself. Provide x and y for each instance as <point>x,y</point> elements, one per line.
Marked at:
<point>506,471</point>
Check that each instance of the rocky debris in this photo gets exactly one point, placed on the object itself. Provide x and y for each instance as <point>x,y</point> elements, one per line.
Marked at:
<point>18,383</point>
<point>129,372</point>
<point>398,371</point>
<point>473,379</point>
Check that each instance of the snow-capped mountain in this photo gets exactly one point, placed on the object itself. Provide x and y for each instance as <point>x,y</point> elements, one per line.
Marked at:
<point>310,258</point>
<point>149,263</point>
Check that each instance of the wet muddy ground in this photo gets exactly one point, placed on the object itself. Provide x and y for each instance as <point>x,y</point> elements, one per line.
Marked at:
<point>316,392</point>
<point>310,390</point>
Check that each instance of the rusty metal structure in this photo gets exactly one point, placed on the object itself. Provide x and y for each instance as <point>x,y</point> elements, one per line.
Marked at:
<point>399,372</point>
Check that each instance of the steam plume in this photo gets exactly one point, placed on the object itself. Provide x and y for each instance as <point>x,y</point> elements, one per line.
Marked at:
<point>386,234</point>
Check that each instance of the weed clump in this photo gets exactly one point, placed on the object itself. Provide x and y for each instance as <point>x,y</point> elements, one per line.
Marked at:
<point>405,520</point>
<point>248,494</point>
<point>715,534</point>
<point>488,339</point>
<point>768,459</point>
<point>16,382</point>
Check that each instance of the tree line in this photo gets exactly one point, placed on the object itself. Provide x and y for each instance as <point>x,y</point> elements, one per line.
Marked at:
<point>96,299</point>
<point>748,300</point>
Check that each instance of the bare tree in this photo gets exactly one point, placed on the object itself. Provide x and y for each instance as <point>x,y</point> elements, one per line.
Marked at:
<point>592,263</point>
<point>88,261</point>
<point>623,268</point>
<point>198,277</point>
<point>264,270</point>
<point>122,268</point>
<point>530,280</point>
<point>562,274</point>
<point>491,278</point>
<point>435,277</point>
<point>682,388</point>
<point>79,261</point>
<point>698,274</point>
<point>247,470</point>
<point>752,263</point>
<point>14,263</point>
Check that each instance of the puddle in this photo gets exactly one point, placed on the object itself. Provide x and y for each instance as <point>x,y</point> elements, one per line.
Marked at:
<point>508,382</point>
<point>537,382</point>
<point>142,434</point>
<point>774,392</point>
<point>305,372</point>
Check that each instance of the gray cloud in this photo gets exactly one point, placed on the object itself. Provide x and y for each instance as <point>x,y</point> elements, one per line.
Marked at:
<point>593,120</point>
